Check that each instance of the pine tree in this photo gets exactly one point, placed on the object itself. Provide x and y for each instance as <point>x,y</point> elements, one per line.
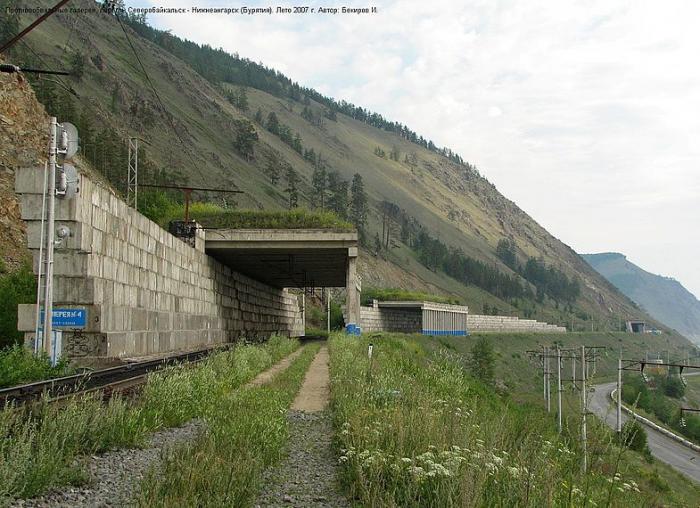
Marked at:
<point>297,144</point>
<point>258,116</point>
<point>318,182</point>
<point>242,99</point>
<point>482,362</point>
<point>505,250</point>
<point>86,131</point>
<point>358,204</point>
<point>246,136</point>
<point>77,65</point>
<point>114,104</point>
<point>273,168</point>
<point>338,194</point>
<point>273,124</point>
<point>292,182</point>
<point>394,154</point>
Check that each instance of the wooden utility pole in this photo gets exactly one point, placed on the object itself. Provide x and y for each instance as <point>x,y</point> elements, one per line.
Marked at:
<point>559,419</point>
<point>584,409</point>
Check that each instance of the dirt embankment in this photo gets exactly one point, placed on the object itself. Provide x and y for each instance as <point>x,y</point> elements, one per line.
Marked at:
<point>23,141</point>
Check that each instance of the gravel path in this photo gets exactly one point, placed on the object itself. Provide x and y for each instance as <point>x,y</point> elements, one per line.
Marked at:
<point>308,475</point>
<point>115,476</point>
<point>265,377</point>
<point>315,391</point>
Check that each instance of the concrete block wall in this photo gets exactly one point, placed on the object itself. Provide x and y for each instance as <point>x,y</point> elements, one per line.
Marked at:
<point>483,323</point>
<point>375,319</point>
<point>145,291</point>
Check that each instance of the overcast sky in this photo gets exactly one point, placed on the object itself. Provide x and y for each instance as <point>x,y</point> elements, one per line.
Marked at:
<point>585,113</point>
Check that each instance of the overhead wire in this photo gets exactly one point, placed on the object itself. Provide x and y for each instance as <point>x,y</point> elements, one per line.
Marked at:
<point>43,62</point>
<point>160,101</point>
<point>7,45</point>
<point>68,39</point>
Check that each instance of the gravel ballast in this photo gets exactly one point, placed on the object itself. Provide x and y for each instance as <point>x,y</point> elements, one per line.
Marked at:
<point>308,475</point>
<point>114,477</point>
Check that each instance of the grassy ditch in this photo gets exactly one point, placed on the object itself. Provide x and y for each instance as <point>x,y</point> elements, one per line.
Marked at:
<point>39,444</point>
<point>246,433</point>
<point>418,431</point>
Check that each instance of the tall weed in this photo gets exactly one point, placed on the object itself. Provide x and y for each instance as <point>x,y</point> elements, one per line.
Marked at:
<point>246,432</point>
<point>416,431</point>
<point>40,445</point>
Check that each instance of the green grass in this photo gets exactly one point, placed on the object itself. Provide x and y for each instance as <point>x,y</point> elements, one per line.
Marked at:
<point>518,374</point>
<point>418,431</point>
<point>39,445</point>
<point>18,365</point>
<point>246,433</point>
<point>316,332</point>
<point>396,294</point>
<point>213,216</point>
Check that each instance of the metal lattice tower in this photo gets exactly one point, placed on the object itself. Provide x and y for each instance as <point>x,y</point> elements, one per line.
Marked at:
<point>132,177</point>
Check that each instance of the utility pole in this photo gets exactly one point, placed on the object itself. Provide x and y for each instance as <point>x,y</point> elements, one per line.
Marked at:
<point>37,320</point>
<point>61,181</point>
<point>328,309</point>
<point>559,388</point>
<point>47,331</point>
<point>619,394</point>
<point>584,409</point>
<point>549,386</point>
<point>544,375</point>
<point>573,370</point>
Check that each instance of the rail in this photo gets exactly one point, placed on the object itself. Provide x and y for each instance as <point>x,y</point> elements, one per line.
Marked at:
<point>116,378</point>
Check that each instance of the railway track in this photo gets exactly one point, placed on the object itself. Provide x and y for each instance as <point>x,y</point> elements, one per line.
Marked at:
<point>110,380</point>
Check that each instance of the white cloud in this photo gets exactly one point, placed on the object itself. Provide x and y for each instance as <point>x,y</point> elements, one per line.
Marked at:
<point>584,113</point>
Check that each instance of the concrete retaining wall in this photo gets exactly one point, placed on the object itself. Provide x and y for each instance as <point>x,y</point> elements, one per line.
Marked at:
<point>145,291</point>
<point>375,319</point>
<point>483,323</point>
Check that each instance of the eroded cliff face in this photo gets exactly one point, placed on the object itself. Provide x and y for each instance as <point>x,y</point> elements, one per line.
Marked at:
<point>23,141</point>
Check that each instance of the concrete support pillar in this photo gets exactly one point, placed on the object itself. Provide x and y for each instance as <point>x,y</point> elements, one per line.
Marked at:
<point>352,301</point>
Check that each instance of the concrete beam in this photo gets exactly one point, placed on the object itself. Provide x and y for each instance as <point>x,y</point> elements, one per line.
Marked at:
<point>287,257</point>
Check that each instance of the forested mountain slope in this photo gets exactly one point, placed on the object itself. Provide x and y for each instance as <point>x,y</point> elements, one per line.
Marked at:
<point>433,221</point>
<point>664,298</point>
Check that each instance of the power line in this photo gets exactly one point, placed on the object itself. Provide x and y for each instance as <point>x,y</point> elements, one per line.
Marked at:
<point>155,92</point>
<point>41,60</point>
<point>68,39</point>
<point>31,27</point>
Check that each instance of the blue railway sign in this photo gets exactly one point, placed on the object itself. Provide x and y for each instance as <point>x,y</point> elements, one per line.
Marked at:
<point>67,318</point>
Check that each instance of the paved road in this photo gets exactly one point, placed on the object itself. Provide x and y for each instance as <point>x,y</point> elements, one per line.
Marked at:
<point>676,455</point>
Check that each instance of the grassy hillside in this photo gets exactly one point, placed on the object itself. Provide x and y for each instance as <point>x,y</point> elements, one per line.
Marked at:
<point>664,298</point>
<point>422,432</point>
<point>192,126</point>
<point>518,373</point>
